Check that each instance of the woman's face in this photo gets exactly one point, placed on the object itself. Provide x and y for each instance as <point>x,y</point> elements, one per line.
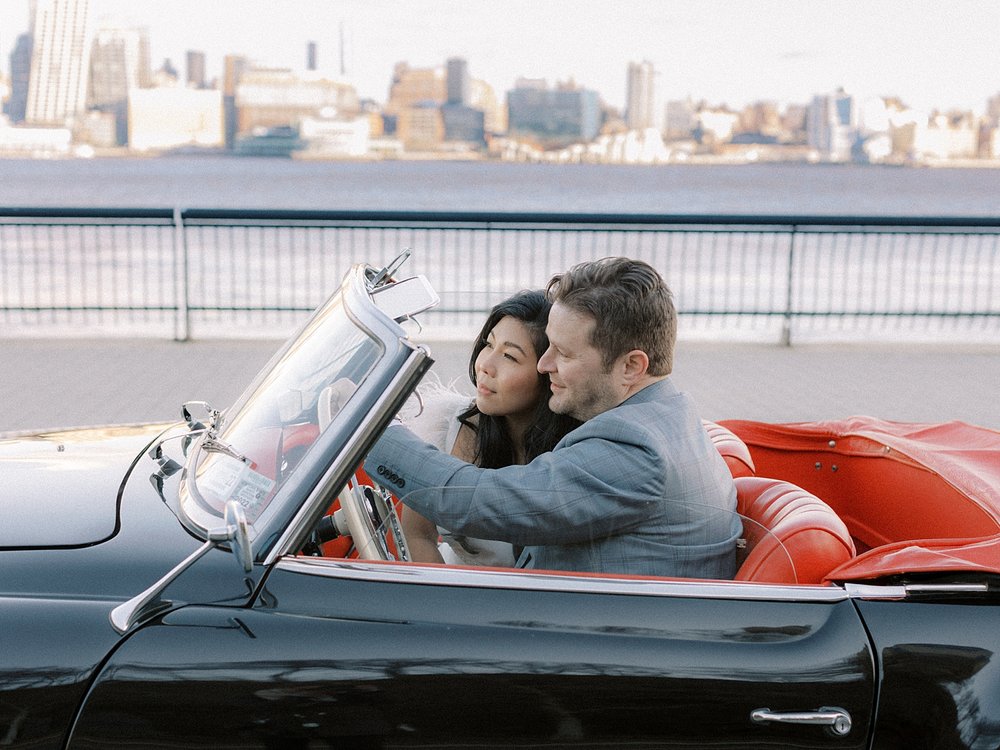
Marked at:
<point>507,381</point>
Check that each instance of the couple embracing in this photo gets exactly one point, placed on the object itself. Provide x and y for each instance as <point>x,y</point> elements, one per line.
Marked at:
<point>578,453</point>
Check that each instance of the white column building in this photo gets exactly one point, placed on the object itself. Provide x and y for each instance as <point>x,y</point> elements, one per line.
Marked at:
<point>57,84</point>
<point>640,94</point>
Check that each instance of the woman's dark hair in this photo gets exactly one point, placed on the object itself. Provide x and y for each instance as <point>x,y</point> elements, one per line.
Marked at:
<point>494,444</point>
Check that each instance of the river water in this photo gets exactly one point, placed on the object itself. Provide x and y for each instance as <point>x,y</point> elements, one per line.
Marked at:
<point>236,182</point>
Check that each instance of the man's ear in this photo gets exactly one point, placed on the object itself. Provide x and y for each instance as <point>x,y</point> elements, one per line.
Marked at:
<point>635,365</point>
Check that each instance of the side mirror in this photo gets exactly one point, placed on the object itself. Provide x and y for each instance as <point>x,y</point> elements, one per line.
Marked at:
<point>235,532</point>
<point>124,616</point>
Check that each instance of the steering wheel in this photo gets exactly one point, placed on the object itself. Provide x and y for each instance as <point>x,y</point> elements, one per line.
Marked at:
<point>372,522</point>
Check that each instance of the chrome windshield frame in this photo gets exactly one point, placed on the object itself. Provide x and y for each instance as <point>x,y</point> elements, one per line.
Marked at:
<point>398,368</point>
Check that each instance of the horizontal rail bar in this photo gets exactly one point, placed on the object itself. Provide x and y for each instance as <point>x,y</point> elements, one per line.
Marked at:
<point>484,217</point>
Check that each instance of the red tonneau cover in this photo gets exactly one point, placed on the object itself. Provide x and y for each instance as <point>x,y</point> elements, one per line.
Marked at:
<point>965,456</point>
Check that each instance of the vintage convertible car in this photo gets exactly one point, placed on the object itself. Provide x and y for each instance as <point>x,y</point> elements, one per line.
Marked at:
<point>232,581</point>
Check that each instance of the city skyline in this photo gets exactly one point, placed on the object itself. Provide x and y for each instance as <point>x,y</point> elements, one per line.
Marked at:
<point>930,54</point>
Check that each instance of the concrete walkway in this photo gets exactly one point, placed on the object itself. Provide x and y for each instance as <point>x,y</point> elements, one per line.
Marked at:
<point>49,383</point>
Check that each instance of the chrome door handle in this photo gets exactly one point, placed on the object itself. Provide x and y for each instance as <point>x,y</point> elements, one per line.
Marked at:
<point>837,720</point>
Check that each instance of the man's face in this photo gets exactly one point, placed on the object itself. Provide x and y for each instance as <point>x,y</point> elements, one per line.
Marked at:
<point>580,386</point>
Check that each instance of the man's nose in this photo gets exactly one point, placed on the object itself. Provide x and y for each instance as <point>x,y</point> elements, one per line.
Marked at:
<point>545,362</point>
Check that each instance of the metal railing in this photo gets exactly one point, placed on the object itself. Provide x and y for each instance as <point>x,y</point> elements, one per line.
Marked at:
<point>224,273</point>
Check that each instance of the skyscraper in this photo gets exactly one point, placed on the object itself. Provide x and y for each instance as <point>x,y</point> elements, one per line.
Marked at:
<point>640,105</point>
<point>458,83</point>
<point>119,62</point>
<point>833,125</point>
<point>233,67</point>
<point>57,86</point>
<point>20,71</point>
<point>195,69</point>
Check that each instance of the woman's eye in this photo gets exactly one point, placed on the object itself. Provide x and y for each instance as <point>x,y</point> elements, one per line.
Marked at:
<point>510,356</point>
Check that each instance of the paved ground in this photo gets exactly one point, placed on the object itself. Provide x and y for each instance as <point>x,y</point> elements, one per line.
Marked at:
<point>71,382</point>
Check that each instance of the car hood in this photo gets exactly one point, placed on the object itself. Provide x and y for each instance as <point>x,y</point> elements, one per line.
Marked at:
<point>61,488</point>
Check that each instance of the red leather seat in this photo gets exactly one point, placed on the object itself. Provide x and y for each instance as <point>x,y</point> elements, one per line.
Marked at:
<point>791,535</point>
<point>734,451</point>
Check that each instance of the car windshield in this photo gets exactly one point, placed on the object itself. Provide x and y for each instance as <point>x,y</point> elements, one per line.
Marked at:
<point>258,445</point>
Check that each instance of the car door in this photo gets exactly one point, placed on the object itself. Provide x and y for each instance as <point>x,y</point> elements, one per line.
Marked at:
<point>382,654</point>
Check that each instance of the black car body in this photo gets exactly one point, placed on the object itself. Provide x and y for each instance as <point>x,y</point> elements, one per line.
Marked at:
<point>163,586</point>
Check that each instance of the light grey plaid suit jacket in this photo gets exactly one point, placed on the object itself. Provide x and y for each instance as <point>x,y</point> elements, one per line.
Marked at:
<point>639,490</point>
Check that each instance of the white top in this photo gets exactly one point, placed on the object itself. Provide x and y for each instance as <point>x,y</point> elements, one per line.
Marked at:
<point>437,423</point>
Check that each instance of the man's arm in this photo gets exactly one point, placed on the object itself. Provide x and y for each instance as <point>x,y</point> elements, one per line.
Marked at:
<point>589,487</point>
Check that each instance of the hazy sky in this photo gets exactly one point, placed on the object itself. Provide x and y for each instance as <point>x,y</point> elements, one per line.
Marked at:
<point>932,54</point>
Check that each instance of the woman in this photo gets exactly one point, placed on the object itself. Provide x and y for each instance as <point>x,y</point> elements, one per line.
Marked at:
<point>508,423</point>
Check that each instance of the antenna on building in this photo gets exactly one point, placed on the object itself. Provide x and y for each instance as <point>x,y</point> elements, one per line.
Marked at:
<point>343,65</point>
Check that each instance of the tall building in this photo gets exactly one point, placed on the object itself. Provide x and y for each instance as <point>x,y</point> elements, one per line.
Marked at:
<point>195,69</point>
<point>640,95</point>
<point>119,62</point>
<point>992,109</point>
<point>311,56</point>
<point>459,84</point>
<point>462,121</point>
<point>232,71</point>
<point>20,71</point>
<point>57,86</point>
<point>833,125</point>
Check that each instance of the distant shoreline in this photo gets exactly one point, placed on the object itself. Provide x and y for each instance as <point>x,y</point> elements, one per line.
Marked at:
<point>692,160</point>
<point>705,160</point>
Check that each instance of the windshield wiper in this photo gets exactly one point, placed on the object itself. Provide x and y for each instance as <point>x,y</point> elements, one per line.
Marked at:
<point>211,444</point>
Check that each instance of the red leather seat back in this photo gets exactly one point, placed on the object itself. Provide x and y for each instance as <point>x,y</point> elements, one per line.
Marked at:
<point>791,535</point>
<point>734,451</point>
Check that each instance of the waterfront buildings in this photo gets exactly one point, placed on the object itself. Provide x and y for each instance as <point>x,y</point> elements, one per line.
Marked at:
<point>441,107</point>
<point>280,97</point>
<point>66,77</point>
<point>554,117</point>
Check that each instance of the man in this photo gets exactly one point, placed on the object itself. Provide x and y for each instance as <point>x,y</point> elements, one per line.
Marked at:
<point>637,489</point>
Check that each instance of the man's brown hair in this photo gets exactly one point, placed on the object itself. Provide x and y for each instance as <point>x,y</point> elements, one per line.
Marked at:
<point>631,304</point>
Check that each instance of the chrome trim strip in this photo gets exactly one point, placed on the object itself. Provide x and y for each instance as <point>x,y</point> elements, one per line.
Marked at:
<point>526,580</point>
<point>946,588</point>
<point>875,592</point>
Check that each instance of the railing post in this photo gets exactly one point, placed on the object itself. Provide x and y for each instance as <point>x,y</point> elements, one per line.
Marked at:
<point>182,322</point>
<point>786,326</point>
